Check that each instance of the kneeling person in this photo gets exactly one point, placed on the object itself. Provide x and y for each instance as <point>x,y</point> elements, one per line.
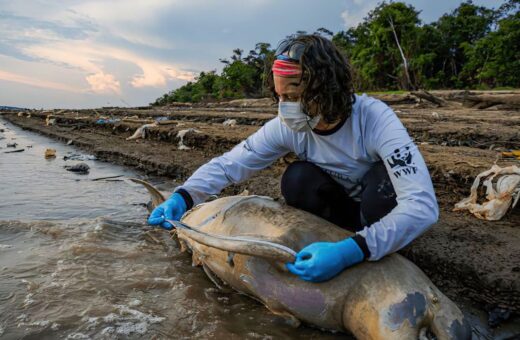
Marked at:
<point>358,166</point>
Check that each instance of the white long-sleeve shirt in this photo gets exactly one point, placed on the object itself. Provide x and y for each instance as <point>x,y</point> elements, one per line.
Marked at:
<point>372,133</point>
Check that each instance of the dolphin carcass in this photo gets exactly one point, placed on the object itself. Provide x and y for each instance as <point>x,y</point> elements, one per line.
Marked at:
<point>388,299</point>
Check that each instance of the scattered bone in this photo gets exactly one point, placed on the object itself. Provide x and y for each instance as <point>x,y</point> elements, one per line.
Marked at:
<point>501,195</point>
<point>230,122</point>
<point>50,153</point>
<point>181,135</point>
<point>142,131</point>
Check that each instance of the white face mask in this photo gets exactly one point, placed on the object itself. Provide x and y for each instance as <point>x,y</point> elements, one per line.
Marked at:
<point>291,114</point>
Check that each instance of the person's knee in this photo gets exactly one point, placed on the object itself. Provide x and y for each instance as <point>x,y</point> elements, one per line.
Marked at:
<point>297,180</point>
<point>378,197</point>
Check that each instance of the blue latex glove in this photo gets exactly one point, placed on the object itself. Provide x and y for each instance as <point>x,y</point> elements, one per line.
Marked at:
<point>321,261</point>
<point>172,209</point>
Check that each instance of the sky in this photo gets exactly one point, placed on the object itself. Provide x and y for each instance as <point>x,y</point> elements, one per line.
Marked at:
<point>94,53</point>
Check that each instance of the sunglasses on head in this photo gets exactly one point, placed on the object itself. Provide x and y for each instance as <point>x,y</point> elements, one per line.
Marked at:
<point>290,50</point>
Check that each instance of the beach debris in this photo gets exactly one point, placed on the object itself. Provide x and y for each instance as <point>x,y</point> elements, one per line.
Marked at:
<point>422,94</point>
<point>436,115</point>
<point>13,151</point>
<point>142,131</point>
<point>80,168</point>
<point>511,154</point>
<point>181,134</point>
<point>78,157</point>
<point>11,145</point>
<point>50,153</point>
<point>102,121</point>
<point>230,122</point>
<point>106,177</point>
<point>502,192</point>
<point>20,114</point>
<point>69,142</point>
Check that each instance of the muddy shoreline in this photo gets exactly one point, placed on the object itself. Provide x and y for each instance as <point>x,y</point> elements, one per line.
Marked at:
<point>467,258</point>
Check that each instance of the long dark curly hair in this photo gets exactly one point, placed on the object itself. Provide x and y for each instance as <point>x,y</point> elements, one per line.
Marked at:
<point>327,79</point>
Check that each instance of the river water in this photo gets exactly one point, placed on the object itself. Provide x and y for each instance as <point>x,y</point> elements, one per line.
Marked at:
<point>78,262</point>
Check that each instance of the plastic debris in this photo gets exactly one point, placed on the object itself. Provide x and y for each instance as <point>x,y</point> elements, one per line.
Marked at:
<point>511,154</point>
<point>102,121</point>
<point>50,153</point>
<point>502,192</point>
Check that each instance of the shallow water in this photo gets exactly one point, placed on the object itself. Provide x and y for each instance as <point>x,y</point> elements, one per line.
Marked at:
<point>77,261</point>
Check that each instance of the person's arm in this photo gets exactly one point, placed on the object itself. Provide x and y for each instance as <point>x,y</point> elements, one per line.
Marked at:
<point>417,207</point>
<point>253,154</point>
<point>385,138</point>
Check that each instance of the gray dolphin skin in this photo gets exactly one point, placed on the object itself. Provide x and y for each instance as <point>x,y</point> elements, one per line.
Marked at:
<point>234,244</point>
<point>242,240</point>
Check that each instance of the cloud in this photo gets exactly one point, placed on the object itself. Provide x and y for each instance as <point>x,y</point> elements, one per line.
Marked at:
<point>356,11</point>
<point>103,83</point>
<point>91,57</point>
<point>32,81</point>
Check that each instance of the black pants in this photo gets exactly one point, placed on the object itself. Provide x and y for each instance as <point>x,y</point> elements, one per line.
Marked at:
<point>307,187</point>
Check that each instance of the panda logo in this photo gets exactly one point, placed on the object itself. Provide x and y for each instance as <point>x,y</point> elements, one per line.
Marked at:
<point>400,158</point>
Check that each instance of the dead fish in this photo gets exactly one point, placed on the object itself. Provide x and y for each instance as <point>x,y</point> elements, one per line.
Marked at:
<point>142,131</point>
<point>80,168</point>
<point>387,299</point>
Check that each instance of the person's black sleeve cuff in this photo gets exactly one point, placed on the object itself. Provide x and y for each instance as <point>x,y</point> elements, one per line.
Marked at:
<point>362,243</point>
<point>187,198</point>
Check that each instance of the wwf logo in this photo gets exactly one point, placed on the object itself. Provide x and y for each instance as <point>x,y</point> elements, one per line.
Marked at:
<point>400,158</point>
<point>401,161</point>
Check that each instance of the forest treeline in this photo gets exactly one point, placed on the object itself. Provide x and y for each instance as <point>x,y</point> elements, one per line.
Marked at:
<point>391,49</point>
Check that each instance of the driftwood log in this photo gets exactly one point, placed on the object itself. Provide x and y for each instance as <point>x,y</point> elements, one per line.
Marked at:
<point>422,94</point>
<point>485,101</point>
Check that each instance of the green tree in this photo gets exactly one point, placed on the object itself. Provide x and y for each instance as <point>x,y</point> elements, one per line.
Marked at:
<point>380,48</point>
<point>495,58</point>
<point>459,31</point>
